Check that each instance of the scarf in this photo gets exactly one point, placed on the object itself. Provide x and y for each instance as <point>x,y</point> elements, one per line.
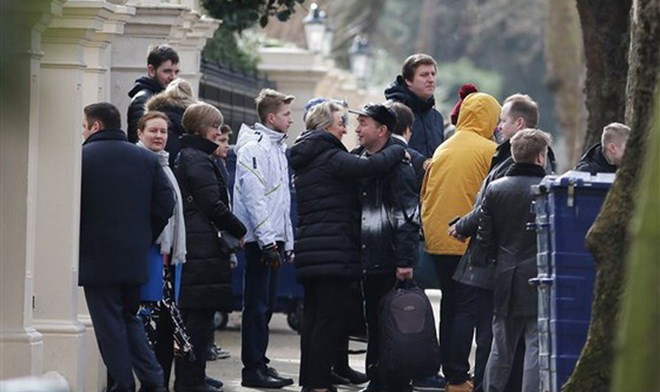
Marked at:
<point>173,238</point>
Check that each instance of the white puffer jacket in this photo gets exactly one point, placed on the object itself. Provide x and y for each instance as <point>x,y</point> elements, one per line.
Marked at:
<point>261,191</point>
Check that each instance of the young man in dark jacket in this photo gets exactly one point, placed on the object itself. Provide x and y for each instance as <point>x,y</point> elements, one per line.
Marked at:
<point>389,232</point>
<point>605,157</point>
<point>414,88</point>
<point>505,241</point>
<point>115,236</point>
<point>162,68</point>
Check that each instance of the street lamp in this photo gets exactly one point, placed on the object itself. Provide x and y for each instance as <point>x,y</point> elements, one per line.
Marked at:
<point>315,28</point>
<point>326,49</point>
<point>360,57</point>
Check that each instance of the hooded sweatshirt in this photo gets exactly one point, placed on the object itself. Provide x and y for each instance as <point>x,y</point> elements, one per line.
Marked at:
<point>261,189</point>
<point>143,89</point>
<point>457,170</point>
<point>428,126</point>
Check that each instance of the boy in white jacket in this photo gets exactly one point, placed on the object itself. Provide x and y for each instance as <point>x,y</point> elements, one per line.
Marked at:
<point>262,202</point>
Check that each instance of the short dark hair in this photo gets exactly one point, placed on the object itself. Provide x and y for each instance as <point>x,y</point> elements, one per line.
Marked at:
<point>523,106</point>
<point>159,54</point>
<point>104,113</point>
<point>404,117</point>
<point>413,62</point>
<point>225,129</point>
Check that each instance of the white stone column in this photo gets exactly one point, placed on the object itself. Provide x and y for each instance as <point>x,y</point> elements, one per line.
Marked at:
<point>71,73</point>
<point>20,344</point>
<point>297,72</point>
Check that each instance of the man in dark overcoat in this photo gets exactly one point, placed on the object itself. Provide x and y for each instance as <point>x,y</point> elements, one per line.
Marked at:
<point>126,201</point>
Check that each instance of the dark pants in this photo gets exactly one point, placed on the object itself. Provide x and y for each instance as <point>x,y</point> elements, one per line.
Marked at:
<point>121,337</point>
<point>457,320</point>
<point>374,287</point>
<point>259,299</point>
<point>198,325</point>
<point>484,342</point>
<point>484,335</point>
<point>323,330</point>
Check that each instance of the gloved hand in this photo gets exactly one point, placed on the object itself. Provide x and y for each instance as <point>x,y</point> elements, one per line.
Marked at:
<point>289,256</point>
<point>270,256</point>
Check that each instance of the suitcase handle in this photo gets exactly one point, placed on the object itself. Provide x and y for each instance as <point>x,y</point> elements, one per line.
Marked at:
<point>538,281</point>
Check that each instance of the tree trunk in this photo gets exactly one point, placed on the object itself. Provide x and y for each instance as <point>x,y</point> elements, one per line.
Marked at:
<point>608,237</point>
<point>638,346</point>
<point>606,40</point>
<point>426,31</point>
<point>636,367</point>
<point>565,73</point>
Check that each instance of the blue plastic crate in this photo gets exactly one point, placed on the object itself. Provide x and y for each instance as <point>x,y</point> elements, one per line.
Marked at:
<point>565,209</point>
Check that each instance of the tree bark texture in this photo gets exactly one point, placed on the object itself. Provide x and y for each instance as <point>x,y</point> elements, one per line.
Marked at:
<point>605,33</point>
<point>638,346</point>
<point>608,238</point>
<point>565,74</point>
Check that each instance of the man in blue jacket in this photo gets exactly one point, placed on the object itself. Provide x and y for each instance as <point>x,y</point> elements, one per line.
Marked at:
<point>126,201</point>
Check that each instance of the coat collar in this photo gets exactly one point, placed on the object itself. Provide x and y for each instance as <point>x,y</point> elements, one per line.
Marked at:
<point>198,143</point>
<point>526,170</point>
<point>106,134</point>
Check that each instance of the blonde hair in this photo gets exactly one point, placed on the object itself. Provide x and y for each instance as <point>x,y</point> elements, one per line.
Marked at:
<point>528,143</point>
<point>616,133</point>
<point>199,117</point>
<point>321,116</point>
<point>269,101</point>
<point>180,90</point>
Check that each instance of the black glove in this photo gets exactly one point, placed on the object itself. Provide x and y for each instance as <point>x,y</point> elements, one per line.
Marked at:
<point>270,256</point>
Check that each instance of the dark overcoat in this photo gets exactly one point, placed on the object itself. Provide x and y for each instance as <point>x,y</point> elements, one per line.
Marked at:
<point>126,201</point>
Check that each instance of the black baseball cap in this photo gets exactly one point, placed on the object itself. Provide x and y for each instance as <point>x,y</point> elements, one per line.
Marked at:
<point>380,113</point>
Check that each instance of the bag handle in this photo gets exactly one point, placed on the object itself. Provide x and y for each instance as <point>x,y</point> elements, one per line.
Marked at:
<point>405,284</point>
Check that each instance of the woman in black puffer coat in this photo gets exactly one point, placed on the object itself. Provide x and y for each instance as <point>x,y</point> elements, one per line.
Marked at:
<point>206,277</point>
<point>327,244</point>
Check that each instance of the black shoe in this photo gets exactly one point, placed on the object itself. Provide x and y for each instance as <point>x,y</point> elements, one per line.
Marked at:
<point>273,373</point>
<point>337,379</point>
<point>196,388</point>
<point>350,374</point>
<point>215,383</point>
<point>261,379</point>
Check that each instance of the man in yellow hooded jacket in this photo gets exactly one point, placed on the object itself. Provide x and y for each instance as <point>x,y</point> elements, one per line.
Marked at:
<point>450,185</point>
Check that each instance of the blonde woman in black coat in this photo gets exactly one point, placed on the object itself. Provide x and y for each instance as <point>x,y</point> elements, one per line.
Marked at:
<point>206,277</point>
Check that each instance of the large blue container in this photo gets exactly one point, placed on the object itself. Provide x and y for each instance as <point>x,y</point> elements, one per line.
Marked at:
<point>565,209</point>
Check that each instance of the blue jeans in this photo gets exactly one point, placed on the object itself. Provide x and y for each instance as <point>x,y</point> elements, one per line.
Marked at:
<point>260,284</point>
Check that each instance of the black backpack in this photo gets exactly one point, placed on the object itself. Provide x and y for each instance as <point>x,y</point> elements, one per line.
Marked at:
<point>408,342</point>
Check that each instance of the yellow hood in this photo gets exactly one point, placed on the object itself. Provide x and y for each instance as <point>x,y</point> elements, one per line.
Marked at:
<point>479,113</point>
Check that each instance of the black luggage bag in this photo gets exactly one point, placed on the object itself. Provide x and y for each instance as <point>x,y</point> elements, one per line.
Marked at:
<point>408,341</point>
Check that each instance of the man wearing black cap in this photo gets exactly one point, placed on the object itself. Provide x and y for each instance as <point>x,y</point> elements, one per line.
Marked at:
<point>389,231</point>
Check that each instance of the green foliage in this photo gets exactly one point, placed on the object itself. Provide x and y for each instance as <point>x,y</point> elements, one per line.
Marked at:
<point>233,50</point>
<point>237,15</point>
